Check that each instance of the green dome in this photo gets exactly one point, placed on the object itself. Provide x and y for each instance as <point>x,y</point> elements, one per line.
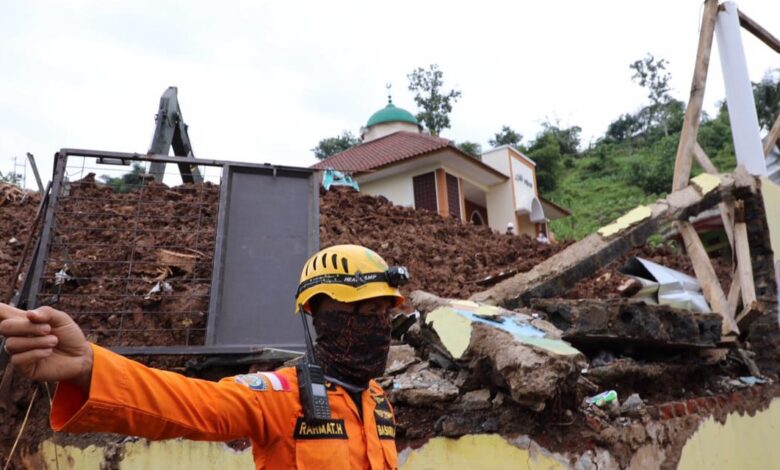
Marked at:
<point>391,113</point>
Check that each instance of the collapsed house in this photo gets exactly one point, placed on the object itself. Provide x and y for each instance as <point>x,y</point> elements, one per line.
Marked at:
<point>509,353</point>
<point>497,354</point>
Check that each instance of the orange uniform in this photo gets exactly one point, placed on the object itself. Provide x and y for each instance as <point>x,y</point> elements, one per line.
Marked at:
<point>129,398</point>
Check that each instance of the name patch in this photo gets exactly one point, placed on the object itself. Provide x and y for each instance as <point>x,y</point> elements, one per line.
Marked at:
<point>385,427</point>
<point>320,429</point>
<point>385,431</point>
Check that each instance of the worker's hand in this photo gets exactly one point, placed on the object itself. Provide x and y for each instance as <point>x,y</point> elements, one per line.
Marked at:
<point>46,344</point>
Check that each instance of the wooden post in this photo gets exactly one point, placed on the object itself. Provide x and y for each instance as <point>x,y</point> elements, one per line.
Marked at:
<point>705,273</point>
<point>690,129</point>
<point>758,31</point>
<point>734,293</point>
<point>773,138</point>
<point>726,208</point>
<point>727,216</point>
<point>742,249</point>
<point>703,159</point>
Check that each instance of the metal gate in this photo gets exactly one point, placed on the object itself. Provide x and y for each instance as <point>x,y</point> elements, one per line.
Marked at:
<point>146,268</point>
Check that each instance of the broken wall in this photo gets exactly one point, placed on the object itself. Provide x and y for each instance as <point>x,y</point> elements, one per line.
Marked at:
<point>741,440</point>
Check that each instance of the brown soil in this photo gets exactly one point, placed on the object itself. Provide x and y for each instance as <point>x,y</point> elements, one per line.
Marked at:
<point>445,257</point>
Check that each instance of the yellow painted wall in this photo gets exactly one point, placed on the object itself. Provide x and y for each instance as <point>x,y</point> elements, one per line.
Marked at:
<point>771,193</point>
<point>174,454</point>
<point>477,452</point>
<point>744,443</point>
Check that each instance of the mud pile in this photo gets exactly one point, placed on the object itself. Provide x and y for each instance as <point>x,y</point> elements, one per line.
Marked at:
<point>446,257</point>
<point>113,261</point>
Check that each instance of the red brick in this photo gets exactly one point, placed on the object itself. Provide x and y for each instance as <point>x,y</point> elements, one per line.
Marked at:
<point>712,403</point>
<point>704,406</point>
<point>666,411</point>
<point>679,409</point>
<point>693,408</point>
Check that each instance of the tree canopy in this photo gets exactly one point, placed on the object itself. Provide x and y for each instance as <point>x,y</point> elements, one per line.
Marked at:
<point>434,104</point>
<point>127,182</point>
<point>507,136</point>
<point>332,145</point>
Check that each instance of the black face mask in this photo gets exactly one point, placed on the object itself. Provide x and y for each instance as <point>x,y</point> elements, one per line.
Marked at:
<point>352,347</point>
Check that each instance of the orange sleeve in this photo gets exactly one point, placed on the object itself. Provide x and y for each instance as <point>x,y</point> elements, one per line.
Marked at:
<point>127,397</point>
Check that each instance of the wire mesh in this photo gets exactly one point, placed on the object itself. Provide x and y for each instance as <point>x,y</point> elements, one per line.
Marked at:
<point>131,258</point>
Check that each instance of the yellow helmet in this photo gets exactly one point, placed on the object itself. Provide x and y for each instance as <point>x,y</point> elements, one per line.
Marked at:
<point>349,273</point>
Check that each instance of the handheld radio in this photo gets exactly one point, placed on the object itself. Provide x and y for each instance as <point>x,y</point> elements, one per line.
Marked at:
<point>311,381</point>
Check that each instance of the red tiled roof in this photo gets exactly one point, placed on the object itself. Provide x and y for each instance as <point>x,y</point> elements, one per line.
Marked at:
<point>383,151</point>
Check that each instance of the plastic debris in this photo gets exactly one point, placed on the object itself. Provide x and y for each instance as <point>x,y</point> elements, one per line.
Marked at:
<point>62,276</point>
<point>602,399</point>
<point>333,177</point>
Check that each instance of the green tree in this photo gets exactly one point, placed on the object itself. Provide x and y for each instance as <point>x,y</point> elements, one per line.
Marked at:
<point>567,137</point>
<point>507,136</point>
<point>332,145</point>
<point>434,104</point>
<point>650,73</point>
<point>11,178</point>
<point>471,148</point>
<point>767,97</point>
<point>623,128</point>
<point>127,182</point>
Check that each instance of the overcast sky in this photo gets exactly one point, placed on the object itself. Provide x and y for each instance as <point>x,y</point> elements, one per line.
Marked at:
<point>264,81</point>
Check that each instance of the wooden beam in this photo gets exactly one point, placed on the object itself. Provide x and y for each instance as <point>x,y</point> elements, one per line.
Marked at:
<point>706,276</point>
<point>441,193</point>
<point>773,138</point>
<point>733,297</point>
<point>727,216</point>
<point>742,249</point>
<point>690,129</point>
<point>726,209</point>
<point>749,314</point>
<point>703,159</point>
<point>560,272</point>
<point>758,31</point>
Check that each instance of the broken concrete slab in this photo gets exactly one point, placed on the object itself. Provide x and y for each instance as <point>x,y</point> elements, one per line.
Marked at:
<point>475,400</point>
<point>581,259</point>
<point>498,347</point>
<point>400,357</point>
<point>423,388</point>
<point>454,326</point>
<point>532,373</point>
<point>624,322</point>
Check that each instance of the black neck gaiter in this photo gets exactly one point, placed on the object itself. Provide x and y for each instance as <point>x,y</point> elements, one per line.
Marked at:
<point>351,347</point>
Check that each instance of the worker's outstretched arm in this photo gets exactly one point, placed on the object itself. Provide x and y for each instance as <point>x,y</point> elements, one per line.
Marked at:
<point>46,345</point>
<point>100,391</point>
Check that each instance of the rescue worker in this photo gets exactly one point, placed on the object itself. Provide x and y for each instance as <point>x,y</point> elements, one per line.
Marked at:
<point>349,290</point>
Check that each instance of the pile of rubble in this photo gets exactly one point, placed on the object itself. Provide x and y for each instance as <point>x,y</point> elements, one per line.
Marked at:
<point>446,257</point>
<point>573,374</point>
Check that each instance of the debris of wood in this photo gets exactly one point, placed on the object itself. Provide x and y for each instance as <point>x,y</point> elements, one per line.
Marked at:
<point>580,260</point>
<point>705,273</point>
<point>623,322</point>
<point>183,261</point>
